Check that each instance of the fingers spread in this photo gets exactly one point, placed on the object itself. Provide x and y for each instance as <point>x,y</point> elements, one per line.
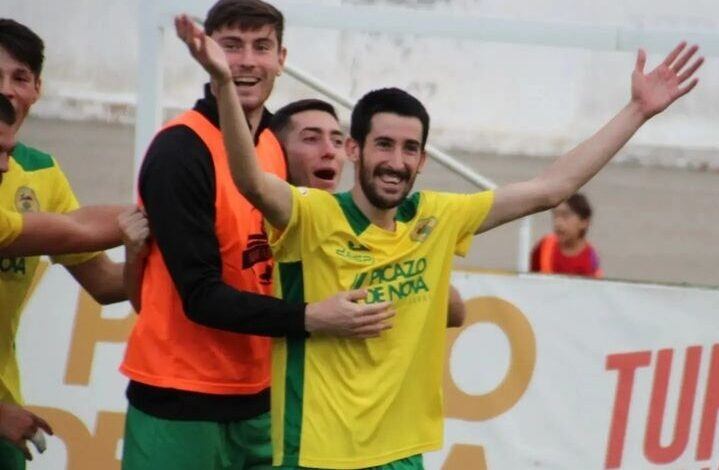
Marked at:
<point>686,89</point>
<point>684,58</point>
<point>690,71</point>
<point>641,61</point>
<point>674,54</point>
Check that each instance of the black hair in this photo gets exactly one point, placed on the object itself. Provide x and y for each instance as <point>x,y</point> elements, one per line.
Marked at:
<point>246,14</point>
<point>22,44</point>
<point>386,100</point>
<point>579,204</point>
<point>281,119</point>
<point>7,111</point>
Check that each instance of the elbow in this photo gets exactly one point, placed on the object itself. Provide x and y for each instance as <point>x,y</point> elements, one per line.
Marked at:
<point>552,196</point>
<point>251,190</point>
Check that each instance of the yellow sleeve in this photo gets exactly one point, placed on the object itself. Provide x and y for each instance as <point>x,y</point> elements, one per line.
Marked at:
<point>63,200</point>
<point>288,244</point>
<point>469,211</point>
<point>10,227</point>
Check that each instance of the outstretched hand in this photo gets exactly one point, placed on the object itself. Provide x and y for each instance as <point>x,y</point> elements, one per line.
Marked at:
<point>203,48</point>
<point>655,91</point>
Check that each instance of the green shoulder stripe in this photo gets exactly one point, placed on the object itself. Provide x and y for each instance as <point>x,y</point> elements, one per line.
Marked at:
<point>408,209</point>
<point>31,159</point>
<point>357,220</point>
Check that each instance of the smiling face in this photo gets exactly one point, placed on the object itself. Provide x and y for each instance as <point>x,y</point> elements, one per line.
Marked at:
<point>255,58</point>
<point>18,84</point>
<point>315,151</point>
<point>389,160</point>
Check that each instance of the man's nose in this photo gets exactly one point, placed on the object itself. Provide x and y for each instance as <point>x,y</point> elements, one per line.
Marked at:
<point>329,150</point>
<point>247,58</point>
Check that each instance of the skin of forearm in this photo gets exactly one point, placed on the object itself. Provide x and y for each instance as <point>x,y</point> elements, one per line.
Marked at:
<point>266,191</point>
<point>101,278</point>
<point>99,225</point>
<point>245,170</point>
<point>575,168</point>
<point>132,275</point>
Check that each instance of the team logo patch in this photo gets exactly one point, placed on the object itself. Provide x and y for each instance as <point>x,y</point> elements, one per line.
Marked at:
<point>26,200</point>
<point>423,229</point>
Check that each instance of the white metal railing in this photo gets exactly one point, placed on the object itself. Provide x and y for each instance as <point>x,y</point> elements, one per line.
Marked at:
<point>156,19</point>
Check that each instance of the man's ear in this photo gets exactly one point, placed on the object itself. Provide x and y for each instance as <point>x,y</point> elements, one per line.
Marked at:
<point>352,149</point>
<point>282,58</point>
<point>422,161</point>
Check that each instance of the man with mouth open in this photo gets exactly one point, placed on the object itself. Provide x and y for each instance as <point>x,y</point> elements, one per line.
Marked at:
<point>199,373</point>
<point>348,403</point>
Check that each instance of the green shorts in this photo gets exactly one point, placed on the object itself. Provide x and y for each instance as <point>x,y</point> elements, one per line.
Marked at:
<point>156,444</point>
<point>11,458</point>
<point>410,463</point>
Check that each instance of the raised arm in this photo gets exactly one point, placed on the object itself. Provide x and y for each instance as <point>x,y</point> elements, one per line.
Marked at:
<point>651,94</point>
<point>91,228</point>
<point>270,194</point>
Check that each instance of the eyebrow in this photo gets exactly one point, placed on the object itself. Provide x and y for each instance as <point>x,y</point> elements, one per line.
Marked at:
<point>320,130</point>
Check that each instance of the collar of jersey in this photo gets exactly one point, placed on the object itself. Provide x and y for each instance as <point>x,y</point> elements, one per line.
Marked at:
<point>359,222</point>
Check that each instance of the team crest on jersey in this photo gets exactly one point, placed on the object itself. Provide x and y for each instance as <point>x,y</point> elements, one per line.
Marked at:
<point>423,229</point>
<point>26,200</point>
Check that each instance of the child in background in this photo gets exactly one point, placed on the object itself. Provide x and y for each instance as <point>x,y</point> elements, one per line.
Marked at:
<point>567,251</point>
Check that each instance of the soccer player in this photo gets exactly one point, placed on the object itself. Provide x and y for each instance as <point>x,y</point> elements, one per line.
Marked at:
<point>34,181</point>
<point>313,142</point>
<point>199,374</point>
<point>29,234</point>
<point>567,250</point>
<point>351,403</point>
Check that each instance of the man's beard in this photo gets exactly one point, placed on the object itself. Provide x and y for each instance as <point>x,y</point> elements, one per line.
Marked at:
<point>373,196</point>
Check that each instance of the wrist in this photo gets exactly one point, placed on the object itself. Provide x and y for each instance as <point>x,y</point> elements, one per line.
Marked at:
<point>310,313</point>
<point>637,114</point>
<point>218,83</point>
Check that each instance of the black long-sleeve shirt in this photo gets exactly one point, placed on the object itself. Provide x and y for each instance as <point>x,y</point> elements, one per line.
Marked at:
<point>177,186</point>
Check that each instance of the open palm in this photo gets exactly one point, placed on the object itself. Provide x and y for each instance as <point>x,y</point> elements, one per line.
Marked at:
<point>655,91</point>
<point>203,49</point>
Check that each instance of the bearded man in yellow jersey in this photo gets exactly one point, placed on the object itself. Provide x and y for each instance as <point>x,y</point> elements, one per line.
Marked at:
<point>377,403</point>
<point>313,142</point>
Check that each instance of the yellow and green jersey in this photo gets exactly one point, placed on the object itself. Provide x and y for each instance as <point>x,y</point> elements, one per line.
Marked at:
<point>10,227</point>
<point>33,183</point>
<point>355,403</point>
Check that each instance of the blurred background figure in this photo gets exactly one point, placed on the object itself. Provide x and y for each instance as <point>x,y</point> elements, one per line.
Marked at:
<point>566,250</point>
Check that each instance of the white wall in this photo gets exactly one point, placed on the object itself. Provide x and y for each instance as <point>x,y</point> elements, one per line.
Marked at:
<point>482,96</point>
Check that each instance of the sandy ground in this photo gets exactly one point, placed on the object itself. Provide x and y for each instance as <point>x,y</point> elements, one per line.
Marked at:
<point>651,223</point>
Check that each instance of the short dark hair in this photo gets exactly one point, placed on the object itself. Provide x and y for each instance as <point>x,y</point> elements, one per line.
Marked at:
<point>579,204</point>
<point>7,111</point>
<point>386,100</point>
<point>281,119</point>
<point>22,44</point>
<point>246,14</point>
